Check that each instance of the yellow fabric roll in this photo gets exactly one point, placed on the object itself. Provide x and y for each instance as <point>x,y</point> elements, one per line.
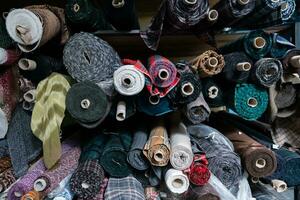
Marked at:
<point>48,114</point>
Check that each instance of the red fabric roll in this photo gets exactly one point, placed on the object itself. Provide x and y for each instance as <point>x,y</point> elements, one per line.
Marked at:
<point>199,173</point>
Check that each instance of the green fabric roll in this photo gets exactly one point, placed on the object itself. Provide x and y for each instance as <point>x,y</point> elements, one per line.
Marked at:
<point>5,40</point>
<point>114,156</point>
<point>248,101</point>
<point>93,149</point>
<point>246,44</point>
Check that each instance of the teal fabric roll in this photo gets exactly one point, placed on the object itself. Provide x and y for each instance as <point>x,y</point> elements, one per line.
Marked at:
<point>248,101</point>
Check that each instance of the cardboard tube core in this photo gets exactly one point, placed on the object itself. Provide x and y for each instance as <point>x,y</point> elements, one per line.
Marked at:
<point>158,156</point>
<point>85,103</point>
<point>163,74</point>
<point>126,82</point>
<point>27,64</point>
<point>17,194</point>
<point>260,163</point>
<point>295,61</point>
<point>243,66</point>
<point>154,100</point>
<point>118,3</point>
<point>254,179</point>
<point>85,185</point>
<point>279,185</point>
<point>39,185</point>
<point>252,102</point>
<point>212,62</point>
<point>177,183</point>
<point>121,111</point>
<point>29,96</point>
<point>198,111</point>
<point>76,7</point>
<point>213,15</point>
<point>284,6</point>
<point>27,106</point>
<point>187,89</point>
<point>213,92</point>
<point>190,2</point>
<point>243,2</point>
<point>259,42</point>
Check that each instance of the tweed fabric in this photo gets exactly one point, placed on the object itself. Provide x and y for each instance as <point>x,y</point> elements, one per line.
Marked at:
<point>124,188</point>
<point>5,163</point>
<point>7,178</point>
<point>103,186</point>
<point>89,58</point>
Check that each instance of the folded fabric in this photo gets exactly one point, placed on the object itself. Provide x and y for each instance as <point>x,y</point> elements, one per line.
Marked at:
<point>198,172</point>
<point>48,113</point>
<point>7,178</point>
<point>124,188</point>
<point>157,148</point>
<point>87,103</point>
<point>89,58</point>
<point>176,181</point>
<point>206,192</point>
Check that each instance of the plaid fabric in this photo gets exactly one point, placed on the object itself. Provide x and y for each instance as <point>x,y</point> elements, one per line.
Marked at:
<point>124,188</point>
<point>152,193</point>
<point>103,186</point>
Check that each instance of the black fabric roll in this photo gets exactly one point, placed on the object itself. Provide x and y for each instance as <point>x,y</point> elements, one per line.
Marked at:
<point>233,70</point>
<point>87,103</point>
<point>266,72</point>
<point>213,93</point>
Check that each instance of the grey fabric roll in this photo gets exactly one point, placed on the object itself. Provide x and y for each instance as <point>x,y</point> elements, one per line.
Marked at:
<point>89,58</point>
<point>24,147</point>
<point>135,156</point>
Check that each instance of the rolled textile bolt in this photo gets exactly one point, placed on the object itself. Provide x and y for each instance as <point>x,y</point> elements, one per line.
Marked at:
<point>154,100</point>
<point>29,96</point>
<point>190,2</point>
<point>163,74</point>
<point>252,102</point>
<point>243,2</point>
<point>40,185</point>
<point>213,15</point>
<point>260,163</point>
<point>118,3</point>
<point>295,61</point>
<point>127,82</point>
<point>121,111</point>
<point>27,106</point>
<point>212,62</point>
<point>279,185</point>
<point>243,66</point>
<point>187,89</point>
<point>85,103</point>
<point>213,92</point>
<point>176,181</point>
<point>27,64</point>
<point>259,42</point>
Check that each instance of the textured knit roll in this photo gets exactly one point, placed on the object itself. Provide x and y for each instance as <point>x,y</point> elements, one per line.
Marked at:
<point>177,182</point>
<point>5,163</point>
<point>67,163</point>
<point>135,156</point>
<point>114,158</point>
<point>87,179</point>
<point>124,188</point>
<point>6,41</point>
<point>206,192</point>
<point>182,155</point>
<point>128,80</point>
<point>7,178</point>
<point>174,15</point>
<point>213,93</point>
<point>8,56</point>
<point>89,58</point>
<point>157,148</point>
<point>249,101</point>
<point>267,71</point>
<point>237,67</point>
<point>198,172</point>
<point>223,162</point>
<point>48,113</point>
<point>83,15</point>
<point>208,64</point>
<point>231,11</point>
<point>87,103</point>
<point>256,44</point>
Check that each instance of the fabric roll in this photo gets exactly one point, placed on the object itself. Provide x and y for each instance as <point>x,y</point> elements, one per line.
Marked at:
<point>223,162</point>
<point>52,178</point>
<point>174,15</point>
<point>261,191</point>
<point>256,44</point>
<point>213,93</point>
<point>181,156</point>
<point>123,108</point>
<point>83,15</point>
<point>197,111</point>
<point>267,71</point>
<point>86,180</point>
<point>279,186</point>
<point>208,64</point>
<point>87,103</point>
<point>5,163</point>
<point>32,195</point>
<point>281,46</point>
<point>177,182</point>
<point>198,172</point>
<point>6,41</point>
<point>206,192</point>
<point>23,146</point>
<point>8,56</point>
<point>157,148</point>
<point>128,80</point>
<point>124,188</point>
<point>135,156</point>
<point>114,158</point>
<point>288,9</point>
<point>103,186</point>
<point>48,114</point>
<point>121,14</point>
<point>249,101</point>
<point>237,67</point>
<point>231,11</point>
<point>38,67</point>
<point>7,178</point>
<point>291,62</point>
<point>63,185</point>
<point>97,64</point>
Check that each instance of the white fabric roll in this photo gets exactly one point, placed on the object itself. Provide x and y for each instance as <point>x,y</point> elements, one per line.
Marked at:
<point>121,111</point>
<point>176,181</point>
<point>128,80</point>
<point>29,22</point>
<point>181,149</point>
<point>3,124</point>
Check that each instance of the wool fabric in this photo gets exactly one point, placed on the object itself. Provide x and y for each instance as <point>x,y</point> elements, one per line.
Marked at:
<point>177,182</point>
<point>48,113</point>
<point>198,172</point>
<point>7,178</point>
<point>249,101</point>
<point>267,71</point>
<point>206,192</point>
<point>157,148</point>
<point>87,103</point>
<point>128,81</point>
<point>89,58</point>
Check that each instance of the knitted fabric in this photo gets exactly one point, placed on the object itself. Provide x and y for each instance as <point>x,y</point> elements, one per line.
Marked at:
<point>89,58</point>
